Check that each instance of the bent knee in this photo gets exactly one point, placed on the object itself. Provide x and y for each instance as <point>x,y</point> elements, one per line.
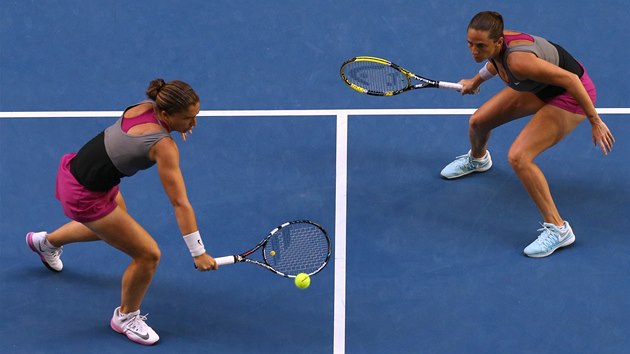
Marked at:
<point>150,257</point>
<point>518,159</point>
<point>154,255</point>
<point>479,122</point>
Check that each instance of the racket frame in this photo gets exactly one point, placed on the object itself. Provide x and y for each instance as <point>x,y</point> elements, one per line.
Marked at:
<point>237,258</point>
<point>424,82</point>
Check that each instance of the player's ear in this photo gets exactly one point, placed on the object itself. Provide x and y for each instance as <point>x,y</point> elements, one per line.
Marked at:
<point>165,116</point>
<point>500,41</point>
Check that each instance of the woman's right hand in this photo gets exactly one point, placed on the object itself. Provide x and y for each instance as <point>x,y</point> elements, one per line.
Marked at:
<point>205,262</point>
<point>469,86</point>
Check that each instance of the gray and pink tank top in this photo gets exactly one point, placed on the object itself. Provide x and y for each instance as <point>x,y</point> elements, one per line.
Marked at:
<point>113,154</point>
<point>545,50</point>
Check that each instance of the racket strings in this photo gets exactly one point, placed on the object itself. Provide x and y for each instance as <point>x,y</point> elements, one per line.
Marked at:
<point>375,77</point>
<point>298,248</point>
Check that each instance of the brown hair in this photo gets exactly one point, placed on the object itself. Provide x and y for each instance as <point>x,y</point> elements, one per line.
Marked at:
<point>172,97</point>
<point>488,21</point>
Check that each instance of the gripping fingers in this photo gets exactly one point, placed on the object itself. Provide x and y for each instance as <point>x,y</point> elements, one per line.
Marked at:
<point>205,263</point>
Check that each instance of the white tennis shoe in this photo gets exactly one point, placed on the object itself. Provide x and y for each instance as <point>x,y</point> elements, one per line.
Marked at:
<point>133,326</point>
<point>50,255</point>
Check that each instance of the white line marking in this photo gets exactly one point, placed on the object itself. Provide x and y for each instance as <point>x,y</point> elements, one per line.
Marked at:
<point>280,113</point>
<point>341,193</point>
<point>60,114</point>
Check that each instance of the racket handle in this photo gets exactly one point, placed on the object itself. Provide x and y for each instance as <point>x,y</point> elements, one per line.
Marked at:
<point>225,260</point>
<point>450,85</point>
<point>453,86</point>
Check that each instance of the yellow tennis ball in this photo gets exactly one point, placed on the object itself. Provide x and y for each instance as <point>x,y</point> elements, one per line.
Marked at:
<point>272,253</point>
<point>302,281</point>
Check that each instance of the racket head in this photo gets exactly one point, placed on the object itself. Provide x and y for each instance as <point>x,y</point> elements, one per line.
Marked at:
<point>375,76</point>
<point>296,247</point>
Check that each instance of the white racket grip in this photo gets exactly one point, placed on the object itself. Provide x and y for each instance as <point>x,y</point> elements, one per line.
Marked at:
<point>221,261</point>
<point>450,85</point>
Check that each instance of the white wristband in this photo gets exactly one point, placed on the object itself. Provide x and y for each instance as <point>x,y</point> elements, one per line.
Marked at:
<point>485,74</point>
<point>194,243</point>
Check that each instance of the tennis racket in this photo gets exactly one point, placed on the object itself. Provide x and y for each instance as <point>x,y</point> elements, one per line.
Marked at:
<point>290,249</point>
<point>380,77</point>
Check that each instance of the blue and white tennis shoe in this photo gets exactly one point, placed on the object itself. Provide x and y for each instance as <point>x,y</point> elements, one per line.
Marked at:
<point>551,238</point>
<point>466,164</point>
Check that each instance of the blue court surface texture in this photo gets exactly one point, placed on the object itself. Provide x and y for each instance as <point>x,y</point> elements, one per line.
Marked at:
<point>429,265</point>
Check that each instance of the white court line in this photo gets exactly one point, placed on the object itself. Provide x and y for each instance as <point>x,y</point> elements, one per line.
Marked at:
<point>277,113</point>
<point>248,113</point>
<point>341,193</point>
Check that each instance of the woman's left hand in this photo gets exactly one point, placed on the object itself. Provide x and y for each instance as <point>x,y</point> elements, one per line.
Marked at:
<point>602,136</point>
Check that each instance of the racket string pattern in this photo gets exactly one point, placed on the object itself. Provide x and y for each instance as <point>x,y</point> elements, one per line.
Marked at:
<point>297,248</point>
<point>292,248</point>
<point>376,77</point>
<point>380,77</point>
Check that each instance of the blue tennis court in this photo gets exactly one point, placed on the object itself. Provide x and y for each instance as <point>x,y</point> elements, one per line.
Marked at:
<point>420,264</point>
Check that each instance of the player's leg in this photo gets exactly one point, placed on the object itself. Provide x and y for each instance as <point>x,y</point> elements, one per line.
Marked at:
<point>548,126</point>
<point>120,230</point>
<point>504,107</point>
<point>49,246</point>
<point>76,231</point>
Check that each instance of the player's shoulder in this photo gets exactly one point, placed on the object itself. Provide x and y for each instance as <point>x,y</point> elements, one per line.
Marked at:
<point>167,143</point>
<point>520,58</point>
<point>165,149</point>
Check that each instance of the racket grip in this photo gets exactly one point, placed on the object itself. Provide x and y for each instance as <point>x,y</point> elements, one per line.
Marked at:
<point>450,85</point>
<point>225,260</point>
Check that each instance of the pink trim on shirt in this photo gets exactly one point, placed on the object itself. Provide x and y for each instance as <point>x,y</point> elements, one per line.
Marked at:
<point>146,117</point>
<point>517,37</point>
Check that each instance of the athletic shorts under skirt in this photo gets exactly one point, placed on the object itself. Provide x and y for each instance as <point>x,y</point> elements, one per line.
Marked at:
<point>79,203</point>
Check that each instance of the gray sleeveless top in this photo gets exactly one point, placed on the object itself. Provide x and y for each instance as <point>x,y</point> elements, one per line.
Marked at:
<point>545,50</point>
<point>111,155</point>
<point>542,49</point>
<point>130,153</point>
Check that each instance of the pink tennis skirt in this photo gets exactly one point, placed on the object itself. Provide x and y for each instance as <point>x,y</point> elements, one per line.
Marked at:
<point>568,103</point>
<point>79,203</point>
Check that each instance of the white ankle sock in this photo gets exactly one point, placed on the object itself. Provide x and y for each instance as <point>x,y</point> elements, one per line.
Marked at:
<point>47,243</point>
<point>481,159</point>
